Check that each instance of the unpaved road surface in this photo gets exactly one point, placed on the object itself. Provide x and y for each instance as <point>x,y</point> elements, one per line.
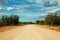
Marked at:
<point>30,32</point>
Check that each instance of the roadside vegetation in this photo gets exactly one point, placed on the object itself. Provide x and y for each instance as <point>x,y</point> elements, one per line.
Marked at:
<point>52,20</point>
<point>12,20</point>
<point>9,20</point>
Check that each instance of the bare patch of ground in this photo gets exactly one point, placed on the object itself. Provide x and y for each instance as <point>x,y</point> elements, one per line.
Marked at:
<point>56,28</point>
<point>6,28</point>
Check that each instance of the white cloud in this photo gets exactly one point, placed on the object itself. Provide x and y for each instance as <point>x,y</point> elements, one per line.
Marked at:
<point>2,13</point>
<point>34,15</point>
<point>54,10</point>
<point>42,1</point>
<point>37,1</point>
<point>10,8</point>
<point>1,9</point>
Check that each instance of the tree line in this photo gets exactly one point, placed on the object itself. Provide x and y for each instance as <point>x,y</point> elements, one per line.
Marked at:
<point>9,20</point>
<point>52,19</point>
<point>12,20</point>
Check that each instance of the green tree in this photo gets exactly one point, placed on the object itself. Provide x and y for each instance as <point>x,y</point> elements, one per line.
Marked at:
<point>4,20</point>
<point>16,19</point>
<point>9,20</point>
<point>52,19</point>
<point>40,22</point>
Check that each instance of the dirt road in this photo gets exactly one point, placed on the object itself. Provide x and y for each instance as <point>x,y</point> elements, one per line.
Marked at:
<point>30,32</point>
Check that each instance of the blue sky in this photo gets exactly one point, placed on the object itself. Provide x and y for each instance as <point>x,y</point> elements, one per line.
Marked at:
<point>28,10</point>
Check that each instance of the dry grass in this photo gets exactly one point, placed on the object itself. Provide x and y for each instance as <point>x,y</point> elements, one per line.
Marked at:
<point>56,28</point>
<point>5,28</point>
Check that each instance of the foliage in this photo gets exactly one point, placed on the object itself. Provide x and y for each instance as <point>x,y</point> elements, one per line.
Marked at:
<point>40,22</point>
<point>52,19</point>
<point>9,20</point>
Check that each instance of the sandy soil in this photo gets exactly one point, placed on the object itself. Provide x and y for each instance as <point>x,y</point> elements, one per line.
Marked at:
<point>56,28</point>
<point>30,32</point>
<point>6,28</point>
